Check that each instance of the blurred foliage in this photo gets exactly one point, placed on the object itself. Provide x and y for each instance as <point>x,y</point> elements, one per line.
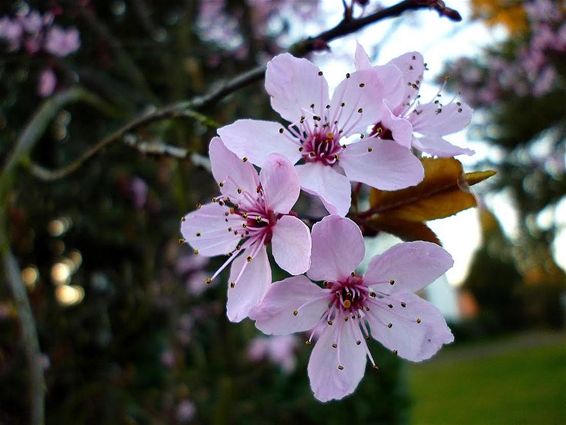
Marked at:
<point>519,86</point>
<point>509,13</point>
<point>143,346</point>
<point>494,280</point>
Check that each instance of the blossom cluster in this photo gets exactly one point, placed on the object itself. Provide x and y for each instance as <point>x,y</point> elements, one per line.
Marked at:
<point>531,68</point>
<point>367,132</point>
<point>34,33</point>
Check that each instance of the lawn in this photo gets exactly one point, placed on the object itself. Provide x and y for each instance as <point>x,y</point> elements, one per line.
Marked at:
<point>486,384</point>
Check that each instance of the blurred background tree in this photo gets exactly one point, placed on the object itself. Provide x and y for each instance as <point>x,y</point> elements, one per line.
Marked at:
<point>518,87</point>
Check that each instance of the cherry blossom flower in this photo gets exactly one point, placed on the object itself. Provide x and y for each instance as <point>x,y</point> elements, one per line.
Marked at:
<point>186,411</point>
<point>277,349</point>
<point>47,82</point>
<point>350,308</point>
<point>60,42</point>
<point>411,124</point>
<point>251,212</point>
<point>320,127</point>
<point>11,32</point>
<point>35,32</point>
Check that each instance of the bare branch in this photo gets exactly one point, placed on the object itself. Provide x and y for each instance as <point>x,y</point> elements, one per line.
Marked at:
<point>188,108</point>
<point>30,340</point>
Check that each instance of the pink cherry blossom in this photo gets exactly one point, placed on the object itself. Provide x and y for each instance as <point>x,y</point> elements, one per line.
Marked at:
<point>138,192</point>
<point>33,22</point>
<point>60,42</point>
<point>320,127</point>
<point>542,11</point>
<point>350,308</point>
<point>11,32</point>
<point>411,124</point>
<point>34,32</point>
<point>47,83</point>
<point>186,411</point>
<point>277,349</point>
<point>251,212</point>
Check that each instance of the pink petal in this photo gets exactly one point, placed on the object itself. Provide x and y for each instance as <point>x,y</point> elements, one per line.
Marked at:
<point>294,85</point>
<point>416,332</point>
<point>256,140</point>
<point>280,184</point>
<point>382,164</point>
<point>252,285</point>
<point>453,117</point>
<point>291,245</point>
<point>337,248</point>
<point>437,146</point>
<point>47,83</point>
<point>400,128</point>
<point>207,231</point>
<point>275,315</point>
<point>411,265</point>
<point>356,102</point>
<point>331,187</point>
<point>361,58</point>
<point>412,67</point>
<point>392,82</point>
<point>327,380</point>
<point>230,172</point>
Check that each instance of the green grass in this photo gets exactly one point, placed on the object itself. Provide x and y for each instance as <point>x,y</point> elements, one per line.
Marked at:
<point>524,385</point>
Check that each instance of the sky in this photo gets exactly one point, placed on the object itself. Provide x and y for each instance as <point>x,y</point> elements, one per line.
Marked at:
<point>439,40</point>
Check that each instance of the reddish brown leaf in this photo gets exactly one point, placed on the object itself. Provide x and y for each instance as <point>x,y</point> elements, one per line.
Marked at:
<point>443,192</point>
<point>406,230</point>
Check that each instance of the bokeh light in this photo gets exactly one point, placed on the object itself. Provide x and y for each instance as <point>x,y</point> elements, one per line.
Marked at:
<point>68,295</point>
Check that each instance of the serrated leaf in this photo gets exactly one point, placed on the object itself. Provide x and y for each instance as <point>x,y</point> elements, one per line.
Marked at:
<point>443,192</point>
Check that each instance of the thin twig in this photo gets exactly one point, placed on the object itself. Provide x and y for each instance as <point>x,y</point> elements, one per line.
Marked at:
<point>179,109</point>
<point>30,339</point>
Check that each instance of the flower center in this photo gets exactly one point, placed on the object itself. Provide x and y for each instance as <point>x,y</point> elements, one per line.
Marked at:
<point>258,223</point>
<point>350,295</point>
<point>381,131</point>
<point>321,147</point>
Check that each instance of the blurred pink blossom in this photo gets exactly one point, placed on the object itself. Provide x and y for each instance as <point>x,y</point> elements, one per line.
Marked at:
<point>46,83</point>
<point>168,358</point>
<point>279,350</point>
<point>186,411</point>
<point>138,190</point>
<point>35,32</point>
<point>60,42</point>
<point>545,82</point>
<point>541,10</point>
<point>11,32</point>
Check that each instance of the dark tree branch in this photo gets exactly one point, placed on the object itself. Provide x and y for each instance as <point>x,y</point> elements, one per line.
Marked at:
<point>188,108</point>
